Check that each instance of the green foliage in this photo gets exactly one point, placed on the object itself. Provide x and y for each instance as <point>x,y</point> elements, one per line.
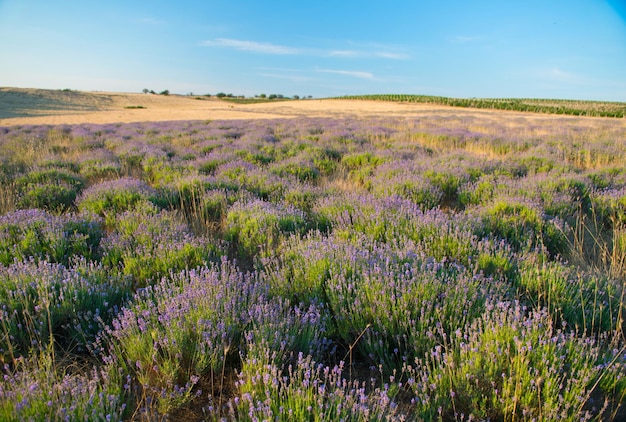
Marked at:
<point>448,183</point>
<point>32,234</point>
<point>588,303</point>
<point>455,267</point>
<point>309,391</point>
<point>360,167</point>
<point>148,244</point>
<point>256,228</point>
<point>303,171</point>
<point>576,108</point>
<point>96,171</point>
<point>511,364</point>
<point>204,314</point>
<point>522,227</point>
<point>46,303</point>
<point>478,193</point>
<point>38,390</point>
<point>496,265</point>
<point>50,189</point>
<point>110,198</point>
<point>610,208</point>
<point>255,158</point>
<point>565,198</point>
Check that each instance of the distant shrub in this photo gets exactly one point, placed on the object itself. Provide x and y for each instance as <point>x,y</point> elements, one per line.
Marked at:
<point>608,178</point>
<point>159,172</point>
<point>565,198</point>
<point>412,187</point>
<point>255,157</point>
<point>610,207</point>
<point>477,193</point>
<point>96,171</point>
<point>259,181</point>
<point>448,182</point>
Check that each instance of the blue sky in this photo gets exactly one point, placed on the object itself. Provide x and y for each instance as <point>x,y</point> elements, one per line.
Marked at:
<point>572,49</point>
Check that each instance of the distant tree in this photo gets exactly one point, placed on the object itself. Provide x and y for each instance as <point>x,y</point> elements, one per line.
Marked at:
<point>296,97</point>
<point>165,92</point>
<point>220,95</point>
<point>262,96</point>
<point>145,90</point>
<point>273,96</point>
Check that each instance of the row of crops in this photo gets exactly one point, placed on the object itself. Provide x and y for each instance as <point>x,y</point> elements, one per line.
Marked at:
<point>567,107</point>
<point>449,267</point>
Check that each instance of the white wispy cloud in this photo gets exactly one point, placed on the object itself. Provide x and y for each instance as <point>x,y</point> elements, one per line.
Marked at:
<point>391,55</point>
<point>253,46</point>
<point>463,39</point>
<point>364,51</point>
<point>343,53</point>
<point>353,73</point>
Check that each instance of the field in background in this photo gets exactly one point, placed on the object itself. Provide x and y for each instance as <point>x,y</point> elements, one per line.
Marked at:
<point>569,107</point>
<point>391,262</point>
<point>19,106</point>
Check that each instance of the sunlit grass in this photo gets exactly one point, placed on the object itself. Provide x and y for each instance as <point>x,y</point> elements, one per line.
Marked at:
<point>451,266</point>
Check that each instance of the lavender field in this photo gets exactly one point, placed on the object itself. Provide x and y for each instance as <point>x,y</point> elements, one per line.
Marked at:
<point>439,268</point>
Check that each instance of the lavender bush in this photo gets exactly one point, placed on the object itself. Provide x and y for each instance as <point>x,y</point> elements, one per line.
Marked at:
<point>37,234</point>
<point>179,330</point>
<point>309,390</point>
<point>443,266</point>
<point>51,189</point>
<point>45,303</point>
<point>38,390</point>
<point>257,227</point>
<point>147,244</point>
<point>512,363</point>
<point>112,197</point>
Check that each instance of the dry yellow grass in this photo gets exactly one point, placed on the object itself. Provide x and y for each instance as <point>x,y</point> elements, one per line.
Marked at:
<point>20,106</point>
